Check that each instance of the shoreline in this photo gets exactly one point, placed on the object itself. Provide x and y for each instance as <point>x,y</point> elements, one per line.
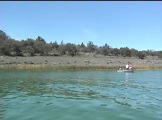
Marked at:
<point>44,67</point>
<point>76,63</point>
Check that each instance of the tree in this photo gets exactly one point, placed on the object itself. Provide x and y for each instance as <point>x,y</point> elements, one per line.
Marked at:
<point>62,42</point>
<point>7,47</point>
<point>128,53</point>
<point>81,48</point>
<point>61,49</point>
<point>115,51</point>
<point>47,48</point>
<point>55,45</point>
<point>160,54</point>
<point>12,47</point>
<point>141,54</point>
<point>105,50</point>
<point>91,47</point>
<point>40,39</point>
<point>82,45</point>
<point>16,48</point>
<point>5,43</point>
<point>134,52</point>
<point>3,36</point>
<point>38,47</point>
<point>125,52</point>
<point>71,49</point>
<point>29,50</point>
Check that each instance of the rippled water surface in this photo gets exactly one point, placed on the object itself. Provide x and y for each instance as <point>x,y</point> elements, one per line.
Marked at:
<point>81,95</point>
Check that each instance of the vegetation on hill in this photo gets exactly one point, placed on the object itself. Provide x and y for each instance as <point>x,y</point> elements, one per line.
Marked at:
<point>38,46</point>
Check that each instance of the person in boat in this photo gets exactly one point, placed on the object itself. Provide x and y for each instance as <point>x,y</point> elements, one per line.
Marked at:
<point>130,67</point>
<point>120,68</point>
<point>127,66</point>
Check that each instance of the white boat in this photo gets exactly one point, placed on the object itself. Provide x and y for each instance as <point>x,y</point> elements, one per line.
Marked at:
<point>125,70</point>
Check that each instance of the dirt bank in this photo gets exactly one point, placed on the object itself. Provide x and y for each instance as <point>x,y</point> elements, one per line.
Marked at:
<point>80,60</point>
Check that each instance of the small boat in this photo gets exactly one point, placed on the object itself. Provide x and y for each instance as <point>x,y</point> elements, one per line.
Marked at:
<point>125,70</point>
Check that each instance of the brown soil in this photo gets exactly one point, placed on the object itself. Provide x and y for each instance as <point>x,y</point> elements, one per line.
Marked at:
<point>80,60</point>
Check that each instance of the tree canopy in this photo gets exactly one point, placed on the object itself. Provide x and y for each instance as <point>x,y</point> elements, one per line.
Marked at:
<point>38,46</point>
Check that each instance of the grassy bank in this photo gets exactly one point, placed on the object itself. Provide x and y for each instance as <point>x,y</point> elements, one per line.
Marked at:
<point>55,67</point>
<point>147,67</point>
<point>21,67</point>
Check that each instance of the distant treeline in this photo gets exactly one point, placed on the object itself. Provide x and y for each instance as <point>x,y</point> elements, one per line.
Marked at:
<point>38,46</point>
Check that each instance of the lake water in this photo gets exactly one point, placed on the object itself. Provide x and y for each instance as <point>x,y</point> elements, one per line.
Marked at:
<point>81,95</point>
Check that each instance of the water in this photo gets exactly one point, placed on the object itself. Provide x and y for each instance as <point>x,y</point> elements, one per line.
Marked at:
<point>81,95</point>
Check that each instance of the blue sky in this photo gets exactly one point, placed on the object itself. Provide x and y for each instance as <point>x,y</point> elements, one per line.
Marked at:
<point>119,24</point>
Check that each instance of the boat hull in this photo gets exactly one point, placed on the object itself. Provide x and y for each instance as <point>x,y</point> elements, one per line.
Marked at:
<point>125,70</point>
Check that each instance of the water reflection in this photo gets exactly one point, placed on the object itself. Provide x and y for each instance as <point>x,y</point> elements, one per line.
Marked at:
<point>126,76</point>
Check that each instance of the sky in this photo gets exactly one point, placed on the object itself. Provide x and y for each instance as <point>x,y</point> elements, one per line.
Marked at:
<point>133,24</point>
